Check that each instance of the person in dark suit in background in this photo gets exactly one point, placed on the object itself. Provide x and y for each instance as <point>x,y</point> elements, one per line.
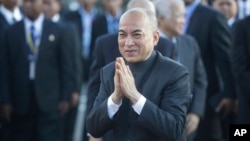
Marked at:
<point>106,50</point>
<point>52,10</point>
<point>10,13</point>
<point>83,19</point>
<point>37,77</point>
<point>214,39</point>
<point>144,96</point>
<point>229,8</point>
<point>107,23</point>
<point>241,58</point>
<point>171,20</point>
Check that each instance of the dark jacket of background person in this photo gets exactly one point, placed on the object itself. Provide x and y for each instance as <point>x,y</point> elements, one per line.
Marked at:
<point>241,65</point>
<point>214,39</point>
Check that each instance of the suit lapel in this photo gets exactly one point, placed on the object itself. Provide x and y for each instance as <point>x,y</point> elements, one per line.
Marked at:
<point>46,33</point>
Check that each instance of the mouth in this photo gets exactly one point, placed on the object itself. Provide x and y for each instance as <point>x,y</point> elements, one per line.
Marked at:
<point>130,52</point>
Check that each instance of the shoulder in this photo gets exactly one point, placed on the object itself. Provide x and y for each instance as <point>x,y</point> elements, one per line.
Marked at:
<point>168,65</point>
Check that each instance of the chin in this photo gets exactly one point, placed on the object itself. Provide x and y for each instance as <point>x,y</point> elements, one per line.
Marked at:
<point>131,60</point>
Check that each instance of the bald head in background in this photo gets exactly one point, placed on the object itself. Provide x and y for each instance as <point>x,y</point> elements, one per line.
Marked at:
<point>146,4</point>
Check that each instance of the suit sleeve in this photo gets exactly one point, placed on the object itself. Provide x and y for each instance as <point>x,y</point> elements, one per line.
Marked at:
<point>168,119</point>
<point>200,84</point>
<point>241,58</point>
<point>98,121</point>
<point>67,62</point>
<point>4,70</point>
<point>221,43</point>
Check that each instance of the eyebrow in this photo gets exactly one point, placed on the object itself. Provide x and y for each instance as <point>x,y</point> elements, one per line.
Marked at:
<point>137,30</point>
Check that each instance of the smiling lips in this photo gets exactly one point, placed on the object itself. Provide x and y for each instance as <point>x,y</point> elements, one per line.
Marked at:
<point>130,52</point>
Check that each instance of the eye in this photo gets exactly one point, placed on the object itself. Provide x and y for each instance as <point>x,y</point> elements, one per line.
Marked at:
<point>137,35</point>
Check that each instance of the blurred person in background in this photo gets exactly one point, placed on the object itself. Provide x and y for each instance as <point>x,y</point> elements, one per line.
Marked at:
<point>83,18</point>
<point>171,21</point>
<point>229,8</point>
<point>210,29</point>
<point>10,13</point>
<point>52,9</point>
<point>108,22</point>
<point>37,75</point>
<point>241,63</point>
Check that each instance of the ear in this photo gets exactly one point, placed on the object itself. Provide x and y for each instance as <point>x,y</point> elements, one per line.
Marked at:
<point>156,36</point>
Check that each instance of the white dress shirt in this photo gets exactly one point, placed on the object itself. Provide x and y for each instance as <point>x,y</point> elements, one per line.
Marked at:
<point>11,16</point>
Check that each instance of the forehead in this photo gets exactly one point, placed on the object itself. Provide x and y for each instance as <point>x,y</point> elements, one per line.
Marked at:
<point>133,20</point>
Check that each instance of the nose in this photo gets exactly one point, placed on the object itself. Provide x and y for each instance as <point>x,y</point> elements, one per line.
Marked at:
<point>129,41</point>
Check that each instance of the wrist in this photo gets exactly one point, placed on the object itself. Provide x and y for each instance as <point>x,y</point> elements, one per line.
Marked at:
<point>116,99</point>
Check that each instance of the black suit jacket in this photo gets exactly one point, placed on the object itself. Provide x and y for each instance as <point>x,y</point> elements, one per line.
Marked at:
<point>106,50</point>
<point>162,118</point>
<point>241,65</point>
<point>190,57</point>
<point>214,39</point>
<point>53,73</point>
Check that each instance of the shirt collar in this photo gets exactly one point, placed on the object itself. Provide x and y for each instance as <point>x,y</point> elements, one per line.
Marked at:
<point>56,18</point>
<point>166,37</point>
<point>190,9</point>
<point>110,18</point>
<point>230,21</point>
<point>38,24</point>
<point>9,15</point>
<point>83,12</point>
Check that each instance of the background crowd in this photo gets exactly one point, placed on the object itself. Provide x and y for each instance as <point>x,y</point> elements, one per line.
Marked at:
<point>52,51</point>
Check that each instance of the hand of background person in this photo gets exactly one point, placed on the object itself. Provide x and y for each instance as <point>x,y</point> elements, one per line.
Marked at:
<point>127,82</point>
<point>95,139</point>
<point>63,107</point>
<point>7,111</point>
<point>75,98</point>
<point>192,123</point>
<point>225,107</point>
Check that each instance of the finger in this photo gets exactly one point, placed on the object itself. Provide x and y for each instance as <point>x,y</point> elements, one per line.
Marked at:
<point>123,65</point>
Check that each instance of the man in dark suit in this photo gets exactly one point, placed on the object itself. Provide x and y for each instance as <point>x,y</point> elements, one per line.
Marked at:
<point>9,14</point>
<point>145,98</point>
<point>82,19</point>
<point>52,9</point>
<point>241,58</point>
<point>107,23</point>
<point>171,20</point>
<point>37,76</point>
<point>106,51</point>
<point>227,7</point>
<point>211,31</point>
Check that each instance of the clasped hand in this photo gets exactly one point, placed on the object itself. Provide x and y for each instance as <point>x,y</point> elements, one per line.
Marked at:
<point>124,83</point>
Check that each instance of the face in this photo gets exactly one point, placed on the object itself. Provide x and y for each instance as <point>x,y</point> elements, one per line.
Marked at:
<point>32,8</point>
<point>136,38</point>
<point>87,3</point>
<point>226,7</point>
<point>187,2</point>
<point>174,24</point>
<point>10,4</point>
<point>51,7</point>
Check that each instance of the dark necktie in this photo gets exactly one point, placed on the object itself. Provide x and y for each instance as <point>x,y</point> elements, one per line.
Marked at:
<point>32,34</point>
